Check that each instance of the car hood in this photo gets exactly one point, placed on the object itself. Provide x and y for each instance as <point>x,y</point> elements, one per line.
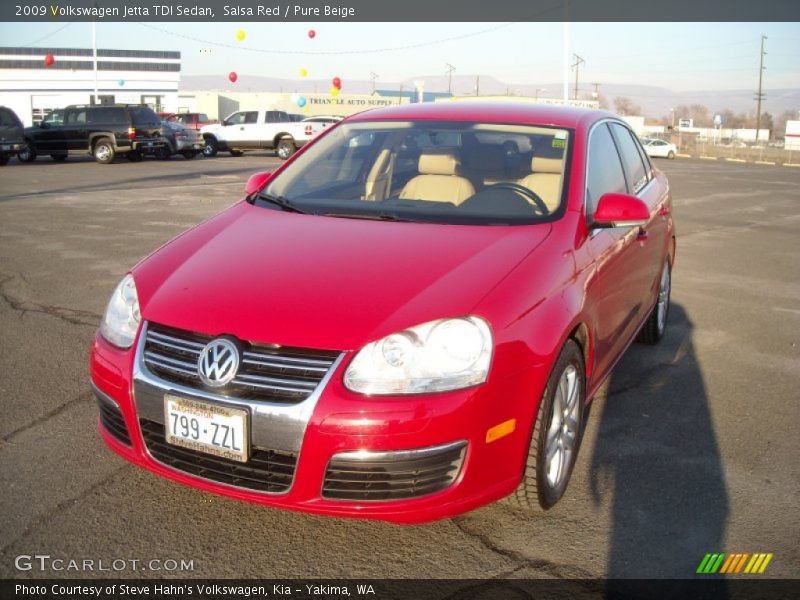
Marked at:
<point>323,282</point>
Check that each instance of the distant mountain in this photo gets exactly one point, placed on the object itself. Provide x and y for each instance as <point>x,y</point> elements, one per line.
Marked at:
<point>655,101</point>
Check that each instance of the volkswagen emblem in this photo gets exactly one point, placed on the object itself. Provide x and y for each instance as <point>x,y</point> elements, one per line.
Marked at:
<point>218,362</point>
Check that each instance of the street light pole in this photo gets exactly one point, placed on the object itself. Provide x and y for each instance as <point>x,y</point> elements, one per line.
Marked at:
<point>450,69</point>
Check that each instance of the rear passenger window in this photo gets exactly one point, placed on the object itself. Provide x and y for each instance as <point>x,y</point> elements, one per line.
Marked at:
<point>631,159</point>
<point>107,116</point>
<point>604,173</point>
<point>251,117</point>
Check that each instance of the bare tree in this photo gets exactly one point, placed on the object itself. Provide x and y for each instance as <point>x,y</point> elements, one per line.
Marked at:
<point>626,106</point>
<point>779,129</point>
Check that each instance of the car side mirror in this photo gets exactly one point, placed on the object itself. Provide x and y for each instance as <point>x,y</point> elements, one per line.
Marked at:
<point>620,210</point>
<point>256,182</point>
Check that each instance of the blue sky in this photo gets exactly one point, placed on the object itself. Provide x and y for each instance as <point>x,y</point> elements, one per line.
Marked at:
<point>678,56</point>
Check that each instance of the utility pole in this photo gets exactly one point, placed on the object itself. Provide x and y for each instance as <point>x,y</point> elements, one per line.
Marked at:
<point>450,69</point>
<point>578,62</point>
<point>400,97</point>
<point>477,85</point>
<point>596,94</point>
<point>373,76</point>
<point>760,95</point>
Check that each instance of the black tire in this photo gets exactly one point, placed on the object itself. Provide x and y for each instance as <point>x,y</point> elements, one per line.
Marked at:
<point>59,157</point>
<point>236,152</point>
<point>211,148</point>
<point>27,154</point>
<point>134,156</point>
<point>103,151</point>
<point>3,161</point>
<point>654,328</point>
<point>189,154</point>
<point>162,153</point>
<point>285,148</point>
<point>671,155</point>
<point>536,491</point>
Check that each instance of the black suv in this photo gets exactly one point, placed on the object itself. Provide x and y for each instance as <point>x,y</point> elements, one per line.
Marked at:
<point>101,130</point>
<point>11,139</point>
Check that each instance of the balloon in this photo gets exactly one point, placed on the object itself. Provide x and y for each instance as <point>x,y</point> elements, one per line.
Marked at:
<point>334,92</point>
<point>301,101</point>
<point>337,83</point>
<point>240,35</point>
<point>303,72</point>
<point>121,82</point>
<point>49,59</point>
<point>312,34</point>
<point>233,76</point>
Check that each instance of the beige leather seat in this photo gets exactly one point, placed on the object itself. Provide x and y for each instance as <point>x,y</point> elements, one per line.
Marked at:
<point>439,180</point>
<point>545,180</point>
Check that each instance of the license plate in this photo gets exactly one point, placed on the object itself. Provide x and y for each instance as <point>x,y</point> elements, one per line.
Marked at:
<point>205,427</point>
<point>149,144</point>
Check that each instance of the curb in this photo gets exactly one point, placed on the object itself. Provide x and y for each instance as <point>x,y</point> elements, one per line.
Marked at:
<point>707,157</point>
<point>791,164</point>
<point>684,155</point>
<point>738,160</point>
<point>764,162</point>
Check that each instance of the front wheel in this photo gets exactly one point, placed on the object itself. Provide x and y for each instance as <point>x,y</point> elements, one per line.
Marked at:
<point>103,151</point>
<point>285,148</point>
<point>671,155</point>
<point>27,154</point>
<point>656,324</point>
<point>211,148</point>
<point>556,433</point>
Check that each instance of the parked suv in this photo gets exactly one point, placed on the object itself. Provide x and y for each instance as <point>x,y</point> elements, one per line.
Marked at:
<point>11,139</point>
<point>103,131</point>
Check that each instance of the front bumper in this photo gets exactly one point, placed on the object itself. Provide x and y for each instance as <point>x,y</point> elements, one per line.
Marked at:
<point>334,425</point>
<point>181,145</point>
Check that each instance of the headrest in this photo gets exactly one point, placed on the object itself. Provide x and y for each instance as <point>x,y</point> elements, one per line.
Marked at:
<point>546,165</point>
<point>438,162</point>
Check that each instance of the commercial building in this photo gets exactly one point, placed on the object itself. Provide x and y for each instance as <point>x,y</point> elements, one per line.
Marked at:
<point>32,85</point>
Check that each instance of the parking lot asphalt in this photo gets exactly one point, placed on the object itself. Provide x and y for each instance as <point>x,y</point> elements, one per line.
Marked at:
<point>693,447</point>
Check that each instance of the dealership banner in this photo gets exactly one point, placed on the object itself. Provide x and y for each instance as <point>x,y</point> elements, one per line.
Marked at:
<point>405,11</point>
<point>405,589</point>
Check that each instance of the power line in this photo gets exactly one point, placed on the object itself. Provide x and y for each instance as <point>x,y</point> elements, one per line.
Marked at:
<point>49,35</point>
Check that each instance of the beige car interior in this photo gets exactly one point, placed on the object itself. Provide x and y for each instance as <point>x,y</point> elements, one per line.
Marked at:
<point>440,179</point>
<point>545,180</point>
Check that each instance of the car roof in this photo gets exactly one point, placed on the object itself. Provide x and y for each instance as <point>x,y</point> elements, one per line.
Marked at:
<point>495,112</point>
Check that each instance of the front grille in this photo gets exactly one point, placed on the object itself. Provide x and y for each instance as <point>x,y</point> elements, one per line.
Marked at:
<point>265,471</point>
<point>392,475</point>
<point>113,421</point>
<point>275,374</point>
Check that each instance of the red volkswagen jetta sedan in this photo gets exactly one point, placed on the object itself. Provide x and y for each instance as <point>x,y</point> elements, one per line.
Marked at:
<point>405,321</point>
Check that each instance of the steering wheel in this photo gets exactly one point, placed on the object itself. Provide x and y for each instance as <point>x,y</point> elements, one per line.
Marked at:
<point>528,193</point>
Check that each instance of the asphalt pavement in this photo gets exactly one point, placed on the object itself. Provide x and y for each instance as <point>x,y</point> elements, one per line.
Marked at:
<point>693,447</point>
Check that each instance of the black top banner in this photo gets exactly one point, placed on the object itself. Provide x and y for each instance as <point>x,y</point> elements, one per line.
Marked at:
<point>402,10</point>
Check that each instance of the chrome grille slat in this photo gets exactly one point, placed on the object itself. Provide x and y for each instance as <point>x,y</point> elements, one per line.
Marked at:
<point>271,373</point>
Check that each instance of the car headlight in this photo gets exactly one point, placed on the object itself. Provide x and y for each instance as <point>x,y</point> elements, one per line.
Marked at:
<point>447,354</point>
<point>122,318</point>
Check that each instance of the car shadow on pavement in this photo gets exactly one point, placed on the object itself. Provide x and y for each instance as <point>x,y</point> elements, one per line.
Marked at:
<point>656,454</point>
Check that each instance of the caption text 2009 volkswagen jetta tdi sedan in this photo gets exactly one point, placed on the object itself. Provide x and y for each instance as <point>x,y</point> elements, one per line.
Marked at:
<point>406,321</point>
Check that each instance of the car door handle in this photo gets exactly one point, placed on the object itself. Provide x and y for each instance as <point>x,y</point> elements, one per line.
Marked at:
<point>641,235</point>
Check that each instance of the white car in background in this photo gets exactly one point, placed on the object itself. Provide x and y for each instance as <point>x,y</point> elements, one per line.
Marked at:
<point>659,148</point>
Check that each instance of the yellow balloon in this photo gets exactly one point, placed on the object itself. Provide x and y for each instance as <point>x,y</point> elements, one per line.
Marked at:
<point>334,92</point>
<point>303,72</point>
<point>240,35</point>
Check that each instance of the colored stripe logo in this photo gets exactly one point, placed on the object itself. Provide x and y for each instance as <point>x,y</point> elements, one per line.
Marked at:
<point>731,563</point>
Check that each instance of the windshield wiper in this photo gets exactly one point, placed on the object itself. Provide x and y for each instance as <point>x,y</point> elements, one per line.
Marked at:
<point>375,217</point>
<point>284,203</point>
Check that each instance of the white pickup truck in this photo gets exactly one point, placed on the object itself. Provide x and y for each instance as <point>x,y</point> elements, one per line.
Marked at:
<point>258,130</point>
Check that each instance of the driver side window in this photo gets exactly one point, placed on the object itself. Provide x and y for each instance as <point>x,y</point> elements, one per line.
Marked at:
<point>604,173</point>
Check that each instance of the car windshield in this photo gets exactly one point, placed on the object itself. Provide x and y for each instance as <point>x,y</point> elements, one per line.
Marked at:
<point>428,171</point>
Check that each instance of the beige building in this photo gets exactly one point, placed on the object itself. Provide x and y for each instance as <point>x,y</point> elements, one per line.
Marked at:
<point>218,105</point>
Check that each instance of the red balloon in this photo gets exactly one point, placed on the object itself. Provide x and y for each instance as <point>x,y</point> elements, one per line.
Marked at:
<point>233,76</point>
<point>49,59</point>
<point>312,34</point>
<point>337,83</point>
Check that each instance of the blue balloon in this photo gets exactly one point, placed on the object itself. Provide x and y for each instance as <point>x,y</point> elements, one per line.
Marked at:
<point>121,82</point>
<point>301,101</point>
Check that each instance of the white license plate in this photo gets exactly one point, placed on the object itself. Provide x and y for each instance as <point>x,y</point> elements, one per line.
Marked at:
<point>205,427</point>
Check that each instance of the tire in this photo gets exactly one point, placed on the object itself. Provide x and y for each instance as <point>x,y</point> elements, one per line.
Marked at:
<point>27,154</point>
<point>236,152</point>
<point>671,155</point>
<point>211,148</point>
<point>285,148</point>
<point>59,157</point>
<point>656,324</point>
<point>134,156</point>
<point>3,161</point>
<point>544,482</point>
<point>189,154</point>
<point>103,151</point>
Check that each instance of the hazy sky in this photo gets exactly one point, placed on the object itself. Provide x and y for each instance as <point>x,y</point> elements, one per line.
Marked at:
<point>678,56</point>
